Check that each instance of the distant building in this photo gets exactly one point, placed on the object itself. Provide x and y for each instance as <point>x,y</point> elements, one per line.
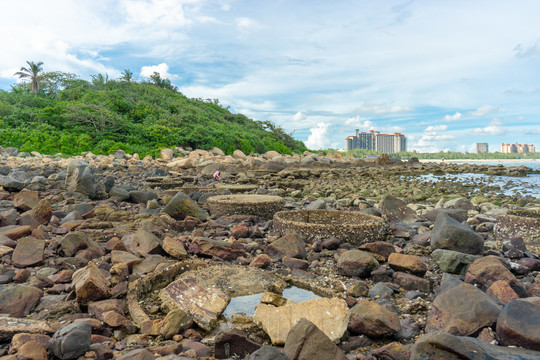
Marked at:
<point>481,148</point>
<point>374,140</point>
<point>517,148</point>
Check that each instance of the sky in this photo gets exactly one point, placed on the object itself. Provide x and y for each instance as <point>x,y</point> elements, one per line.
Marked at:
<point>447,74</point>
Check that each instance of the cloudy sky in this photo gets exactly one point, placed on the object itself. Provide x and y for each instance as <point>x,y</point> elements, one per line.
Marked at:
<point>446,73</point>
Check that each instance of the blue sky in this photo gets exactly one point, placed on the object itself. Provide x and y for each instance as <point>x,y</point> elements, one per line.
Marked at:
<point>447,74</point>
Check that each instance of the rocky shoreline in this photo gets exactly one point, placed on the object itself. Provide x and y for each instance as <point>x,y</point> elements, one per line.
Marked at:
<point>119,257</point>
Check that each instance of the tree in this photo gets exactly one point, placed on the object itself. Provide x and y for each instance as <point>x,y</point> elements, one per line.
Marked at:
<point>100,79</point>
<point>127,75</point>
<point>32,73</point>
<point>156,79</point>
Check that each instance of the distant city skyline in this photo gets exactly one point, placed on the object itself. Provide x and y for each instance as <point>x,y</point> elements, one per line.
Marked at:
<point>447,74</point>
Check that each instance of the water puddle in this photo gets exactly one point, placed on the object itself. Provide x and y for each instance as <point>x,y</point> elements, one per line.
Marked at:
<point>247,304</point>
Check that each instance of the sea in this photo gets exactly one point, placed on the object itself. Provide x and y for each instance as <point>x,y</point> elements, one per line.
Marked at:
<point>509,185</point>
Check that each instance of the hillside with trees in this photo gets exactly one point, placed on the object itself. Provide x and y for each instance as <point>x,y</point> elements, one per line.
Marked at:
<point>57,112</point>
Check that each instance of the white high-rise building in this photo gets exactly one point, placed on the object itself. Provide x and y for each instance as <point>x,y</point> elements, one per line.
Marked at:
<point>374,140</point>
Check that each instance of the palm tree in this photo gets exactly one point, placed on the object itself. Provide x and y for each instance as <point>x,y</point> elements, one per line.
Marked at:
<point>32,73</point>
<point>100,79</point>
<point>127,75</point>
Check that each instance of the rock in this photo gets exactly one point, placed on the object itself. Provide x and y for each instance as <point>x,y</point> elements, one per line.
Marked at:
<point>138,354</point>
<point>261,261</point>
<point>40,214</point>
<point>124,257</point>
<point>11,326</point>
<point>221,249</point>
<point>453,262</point>
<point>181,206</point>
<point>485,271</point>
<point>81,178</point>
<point>26,200</point>
<point>330,315</point>
<point>116,320</point>
<point>502,291</point>
<point>204,305</point>
<point>233,343</point>
<point>371,319</point>
<point>395,210</point>
<point>380,289</point>
<point>175,321</point>
<point>267,352</point>
<point>18,300</point>
<point>10,184</point>
<point>459,203</point>
<point>90,284</point>
<point>462,310</point>
<point>97,308</point>
<point>519,325</point>
<point>15,232</point>
<point>307,341</point>
<point>289,245</point>
<point>522,223</point>
<point>392,351</point>
<point>143,242</point>
<point>72,243</point>
<point>451,235</point>
<point>444,346</point>
<point>238,154</point>
<point>174,247</point>
<point>457,214</point>
<point>71,341</point>
<point>356,263</point>
<point>142,197</point>
<point>32,350</point>
<point>22,338</point>
<point>317,204</point>
<point>28,252</point>
<point>382,248</point>
<point>409,263</point>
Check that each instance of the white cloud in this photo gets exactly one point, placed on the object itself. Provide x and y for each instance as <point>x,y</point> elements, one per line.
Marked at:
<point>432,139</point>
<point>319,139</point>
<point>381,107</point>
<point>484,111</point>
<point>454,117</point>
<point>433,129</point>
<point>244,24</point>
<point>495,127</point>
<point>162,69</point>
<point>299,116</point>
<point>532,50</point>
<point>357,123</point>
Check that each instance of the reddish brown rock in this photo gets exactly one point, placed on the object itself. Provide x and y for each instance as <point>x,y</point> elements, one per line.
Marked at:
<point>357,263</point>
<point>124,257</point>
<point>116,320</point>
<point>174,247</point>
<point>28,252</point>
<point>519,325</point>
<point>22,338</point>
<point>90,284</point>
<point>371,319</point>
<point>485,271</point>
<point>97,308</point>
<point>15,232</point>
<point>18,300</point>
<point>382,248</point>
<point>392,351</point>
<point>502,291</point>
<point>42,212</point>
<point>26,200</point>
<point>10,326</point>
<point>294,263</point>
<point>261,261</point>
<point>221,249</point>
<point>306,341</point>
<point>408,263</point>
<point>240,231</point>
<point>412,282</point>
<point>288,245</point>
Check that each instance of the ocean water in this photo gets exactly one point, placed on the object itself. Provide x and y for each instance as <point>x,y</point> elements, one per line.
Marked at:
<point>510,185</point>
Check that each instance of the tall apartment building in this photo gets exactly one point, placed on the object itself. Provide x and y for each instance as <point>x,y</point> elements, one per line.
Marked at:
<point>517,148</point>
<point>374,140</point>
<point>481,148</point>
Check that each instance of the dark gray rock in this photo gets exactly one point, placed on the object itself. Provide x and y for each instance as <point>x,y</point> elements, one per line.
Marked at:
<point>267,352</point>
<point>11,184</point>
<point>519,325</point>
<point>71,341</point>
<point>81,178</point>
<point>451,235</point>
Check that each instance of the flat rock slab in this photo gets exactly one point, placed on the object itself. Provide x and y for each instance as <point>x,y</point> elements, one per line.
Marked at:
<point>10,326</point>
<point>524,223</point>
<point>28,252</point>
<point>329,315</point>
<point>203,304</point>
<point>15,232</point>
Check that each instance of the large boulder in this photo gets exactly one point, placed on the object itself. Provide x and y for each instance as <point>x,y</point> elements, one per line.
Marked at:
<point>307,341</point>
<point>453,262</point>
<point>71,341</point>
<point>90,284</point>
<point>462,310</point>
<point>330,315</point>
<point>519,325</point>
<point>524,223</point>
<point>371,319</point>
<point>28,252</point>
<point>289,245</point>
<point>357,263</point>
<point>451,235</point>
<point>17,301</point>
<point>181,206</point>
<point>485,271</point>
<point>394,209</point>
<point>81,178</point>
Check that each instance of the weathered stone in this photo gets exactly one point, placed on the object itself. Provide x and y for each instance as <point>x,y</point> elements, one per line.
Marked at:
<point>371,319</point>
<point>90,284</point>
<point>261,261</point>
<point>142,197</point>
<point>138,354</point>
<point>502,291</point>
<point>356,263</point>
<point>26,200</point>
<point>175,321</point>
<point>394,209</point>
<point>174,247</point>
<point>462,310</point>
<point>306,341</point>
<point>28,252</point>
<point>392,351</point>
<point>382,248</point>
<point>143,242</point>
<point>18,300</point>
<point>453,262</point>
<point>15,232</point>
<point>485,271</point>
<point>22,338</point>
<point>288,245</point>
<point>41,213</point>
<point>408,263</point>
<point>523,223</point>
<point>32,350</point>
<point>149,264</point>
<point>444,346</point>
<point>449,234</point>
<point>81,178</point>
<point>71,341</point>
<point>330,315</point>
<point>268,352</point>
<point>233,343</point>
<point>11,184</point>
<point>10,326</point>
<point>72,243</point>
<point>124,257</point>
<point>97,308</point>
<point>459,203</point>
<point>181,206</point>
<point>519,325</point>
<point>204,305</point>
<point>116,320</point>
<point>459,215</point>
<point>221,249</point>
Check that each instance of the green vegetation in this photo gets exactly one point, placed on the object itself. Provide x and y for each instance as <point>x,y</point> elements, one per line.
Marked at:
<point>59,112</point>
